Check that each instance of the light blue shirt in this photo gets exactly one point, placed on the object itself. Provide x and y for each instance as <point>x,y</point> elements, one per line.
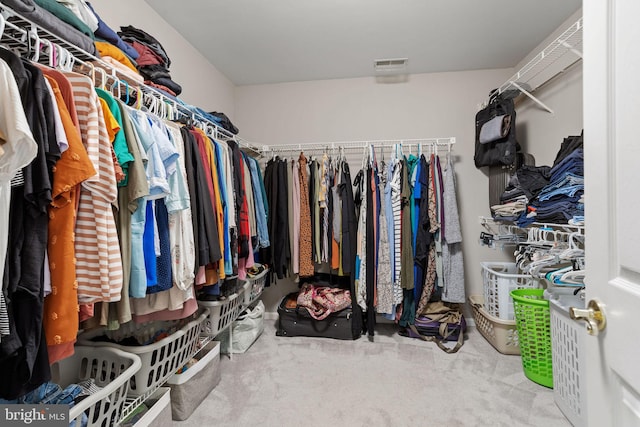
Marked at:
<point>261,218</point>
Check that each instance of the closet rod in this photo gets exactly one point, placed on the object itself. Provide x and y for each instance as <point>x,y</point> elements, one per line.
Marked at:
<point>358,145</point>
<point>19,32</point>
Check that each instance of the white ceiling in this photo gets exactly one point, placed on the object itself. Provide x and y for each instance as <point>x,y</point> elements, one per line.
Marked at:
<point>271,41</point>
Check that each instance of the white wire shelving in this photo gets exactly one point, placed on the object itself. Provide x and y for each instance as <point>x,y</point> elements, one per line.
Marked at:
<point>20,35</point>
<point>560,55</point>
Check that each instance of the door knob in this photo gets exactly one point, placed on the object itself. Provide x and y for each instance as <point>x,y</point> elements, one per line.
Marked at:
<point>593,315</point>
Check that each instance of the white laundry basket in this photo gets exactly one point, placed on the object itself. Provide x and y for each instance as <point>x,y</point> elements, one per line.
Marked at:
<point>111,369</point>
<point>222,313</point>
<point>499,279</point>
<point>568,352</point>
<point>160,359</point>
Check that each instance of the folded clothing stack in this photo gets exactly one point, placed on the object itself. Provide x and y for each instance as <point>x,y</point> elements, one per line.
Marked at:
<point>562,199</point>
<point>57,19</point>
<point>104,32</point>
<point>153,61</point>
<point>523,186</point>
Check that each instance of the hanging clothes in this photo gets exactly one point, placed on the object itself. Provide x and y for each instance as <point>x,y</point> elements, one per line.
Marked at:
<point>396,204</point>
<point>19,150</point>
<point>61,306</point>
<point>260,209</point>
<point>349,243</point>
<point>295,216</point>
<point>453,291</point>
<point>241,201</point>
<point>360,183</point>
<point>373,207</point>
<point>306,262</point>
<point>226,198</point>
<point>335,218</point>
<point>385,271</point>
<point>129,197</point>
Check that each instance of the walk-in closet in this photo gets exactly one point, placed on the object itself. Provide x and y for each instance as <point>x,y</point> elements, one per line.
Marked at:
<point>361,213</point>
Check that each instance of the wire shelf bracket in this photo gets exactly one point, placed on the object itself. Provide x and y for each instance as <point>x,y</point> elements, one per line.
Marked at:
<point>564,52</point>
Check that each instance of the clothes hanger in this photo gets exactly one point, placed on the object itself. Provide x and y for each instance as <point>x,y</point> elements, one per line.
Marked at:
<point>3,24</point>
<point>33,45</point>
<point>126,90</point>
<point>67,60</point>
<point>54,53</point>
<point>47,47</point>
<point>63,57</point>
<point>92,73</point>
<point>139,96</point>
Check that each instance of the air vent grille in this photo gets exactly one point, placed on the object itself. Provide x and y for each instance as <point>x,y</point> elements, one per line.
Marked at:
<point>390,65</point>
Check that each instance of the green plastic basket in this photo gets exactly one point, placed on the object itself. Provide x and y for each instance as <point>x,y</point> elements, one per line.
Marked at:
<point>534,334</point>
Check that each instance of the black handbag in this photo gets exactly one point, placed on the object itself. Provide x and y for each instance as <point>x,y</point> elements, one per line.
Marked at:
<point>500,149</point>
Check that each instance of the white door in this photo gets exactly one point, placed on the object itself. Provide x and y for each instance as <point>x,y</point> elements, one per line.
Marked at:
<point>612,156</point>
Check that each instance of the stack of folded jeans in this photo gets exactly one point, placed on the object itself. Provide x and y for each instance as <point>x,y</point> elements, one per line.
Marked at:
<point>523,186</point>
<point>153,61</point>
<point>562,199</point>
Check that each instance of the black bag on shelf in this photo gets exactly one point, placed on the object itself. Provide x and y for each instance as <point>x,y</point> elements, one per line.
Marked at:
<point>296,321</point>
<point>496,146</point>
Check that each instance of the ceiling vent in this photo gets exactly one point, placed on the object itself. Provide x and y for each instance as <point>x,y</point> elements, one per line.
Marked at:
<point>395,65</point>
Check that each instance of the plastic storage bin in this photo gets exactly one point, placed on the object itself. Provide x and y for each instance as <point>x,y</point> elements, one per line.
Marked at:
<point>159,412</point>
<point>567,343</point>
<point>160,359</point>
<point>502,334</point>
<point>111,369</point>
<point>499,279</point>
<point>256,286</point>
<point>534,334</point>
<point>222,313</point>
<point>190,388</point>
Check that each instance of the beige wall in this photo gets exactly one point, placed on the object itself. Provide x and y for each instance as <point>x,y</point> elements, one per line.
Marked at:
<point>541,132</point>
<point>428,105</point>
<point>203,85</point>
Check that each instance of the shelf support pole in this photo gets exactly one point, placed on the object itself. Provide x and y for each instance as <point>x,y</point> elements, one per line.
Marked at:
<point>571,48</point>
<point>533,98</point>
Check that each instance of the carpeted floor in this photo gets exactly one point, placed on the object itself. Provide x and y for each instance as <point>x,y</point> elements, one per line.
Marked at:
<point>394,381</point>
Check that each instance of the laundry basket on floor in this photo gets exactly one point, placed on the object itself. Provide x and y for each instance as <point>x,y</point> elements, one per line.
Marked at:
<point>110,369</point>
<point>161,358</point>
<point>568,342</point>
<point>534,334</point>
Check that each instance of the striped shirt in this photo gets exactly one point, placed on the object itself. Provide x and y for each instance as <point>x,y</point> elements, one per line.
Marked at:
<point>396,207</point>
<point>98,257</point>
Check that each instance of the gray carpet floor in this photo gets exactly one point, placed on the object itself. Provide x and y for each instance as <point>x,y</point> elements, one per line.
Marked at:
<point>393,381</point>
